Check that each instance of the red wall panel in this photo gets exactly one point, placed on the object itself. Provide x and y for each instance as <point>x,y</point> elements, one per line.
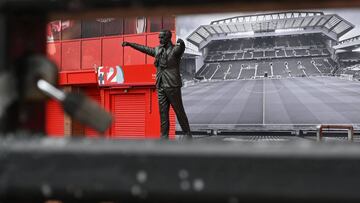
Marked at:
<point>54,53</point>
<point>131,56</point>
<point>77,77</point>
<point>152,40</point>
<point>54,119</point>
<point>112,52</point>
<point>90,53</point>
<point>173,37</point>
<point>70,56</point>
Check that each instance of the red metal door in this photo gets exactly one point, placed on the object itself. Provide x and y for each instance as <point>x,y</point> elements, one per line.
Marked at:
<point>54,119</point>
<point>129,114</point>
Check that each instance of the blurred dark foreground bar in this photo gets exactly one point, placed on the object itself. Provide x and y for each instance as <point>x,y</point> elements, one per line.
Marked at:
<point>91,170</point>
<point>91,8</point>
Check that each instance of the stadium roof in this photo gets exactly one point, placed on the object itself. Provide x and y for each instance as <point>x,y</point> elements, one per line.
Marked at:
<point>348,44</point>
<point>270,22</point>
<point>351,39</point>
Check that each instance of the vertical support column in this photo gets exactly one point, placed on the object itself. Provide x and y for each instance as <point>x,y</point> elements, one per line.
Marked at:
<point>351,134</point>
<point>23,33</point>
<point>318,133</point>
<point>68,128</point>
<point>3,42</point>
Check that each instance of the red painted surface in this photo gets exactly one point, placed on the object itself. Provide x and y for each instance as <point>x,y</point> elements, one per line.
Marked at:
<point>90,53</point>
<point>133,103</point>
<point>138,74</point>
<point>136,113</point>
<point>54,52</point>
<point>152,40</point>
<point>77,77</point>
<point>131,56</point>
<point>70,55</point>
<point>112,51</point>
<point>54,119</point>
<point>128,110</point>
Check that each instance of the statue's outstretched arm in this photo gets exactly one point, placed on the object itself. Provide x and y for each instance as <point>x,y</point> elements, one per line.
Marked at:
<point>144,49</point>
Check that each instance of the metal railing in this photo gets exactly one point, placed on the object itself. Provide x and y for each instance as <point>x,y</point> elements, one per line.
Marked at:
<point>320,130</point>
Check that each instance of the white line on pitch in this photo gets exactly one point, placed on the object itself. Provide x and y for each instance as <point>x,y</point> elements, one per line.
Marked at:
<point>264,100</point>
<point>297,124</point>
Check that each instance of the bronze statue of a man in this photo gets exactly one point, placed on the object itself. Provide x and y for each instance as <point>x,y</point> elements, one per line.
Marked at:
<point>168,80</point>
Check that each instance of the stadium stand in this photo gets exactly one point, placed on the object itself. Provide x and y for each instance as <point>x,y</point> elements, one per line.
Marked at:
<point>282,42</point>
<point>221,71</point>
<point>301,52</point>
<point>289,53</point>
<point>248,55</point>
<point>294,67</point>
<point>331,62</point>
<point>270,54</point>
<point>258,54</point>
<point>262,69</point>
<point>247,43</point>
<point>234,71</point>
<point>315,52</point>
<point>247,73</point>
<point>323,65</point>
<point>229,56</point>
<point>279,69</point>
<point>239,56</point>
<point>283,48</point>
<point>310,68</point>
<point>280,53</point>
<point>209,70</point>
<point>326,63</point>
<point>217,57</point>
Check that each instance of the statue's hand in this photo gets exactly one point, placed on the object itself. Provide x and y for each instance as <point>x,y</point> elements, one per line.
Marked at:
<point>179,41</point>
<point>124,44</point>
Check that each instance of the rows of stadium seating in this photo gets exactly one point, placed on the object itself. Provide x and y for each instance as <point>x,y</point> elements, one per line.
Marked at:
<point>323,65</point>
<point>261,54</point>
<point>277,56</point>
<point>247,69</point>
<point>266,43</point>
<point>350,68</point>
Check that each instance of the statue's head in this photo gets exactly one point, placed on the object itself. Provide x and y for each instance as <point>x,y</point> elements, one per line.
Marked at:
<point>164,37</point>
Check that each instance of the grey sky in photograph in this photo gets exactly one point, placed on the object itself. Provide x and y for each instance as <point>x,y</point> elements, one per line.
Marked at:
<point>186,24</point>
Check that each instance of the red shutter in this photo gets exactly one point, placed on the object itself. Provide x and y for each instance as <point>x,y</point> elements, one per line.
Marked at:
<point>129,113</point>
<point>54,119</point>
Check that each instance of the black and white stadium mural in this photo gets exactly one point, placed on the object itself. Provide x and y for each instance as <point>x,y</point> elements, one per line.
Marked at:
<point>268,71</point>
